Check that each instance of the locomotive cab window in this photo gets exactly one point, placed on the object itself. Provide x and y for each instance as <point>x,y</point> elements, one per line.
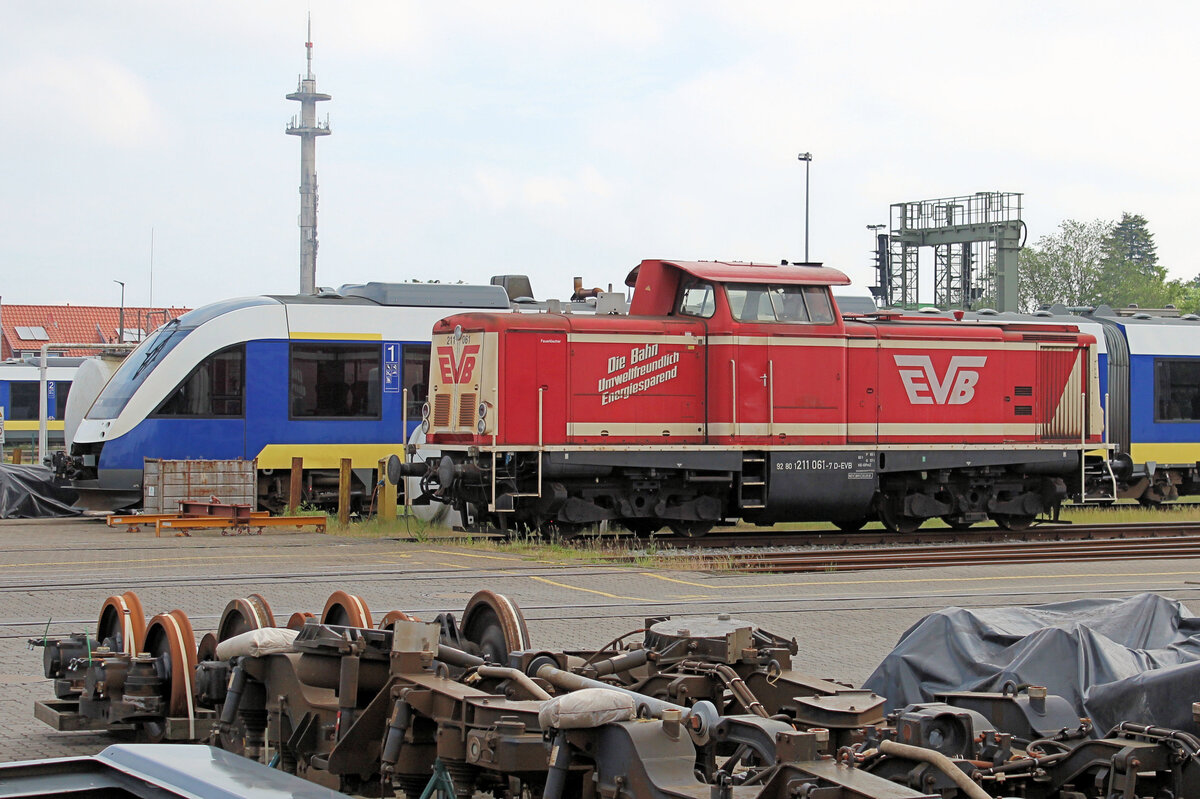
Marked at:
<point>215,388</point>
<point>697,299</point>
<point>754,302</point>
<point>335,380</point>
<point>1176,390</point>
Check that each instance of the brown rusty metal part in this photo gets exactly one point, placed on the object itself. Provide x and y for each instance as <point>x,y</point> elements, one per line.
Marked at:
<point>393,616</point>
<point>122,620</point>
<point>297,620</point>
<point>347,610</point>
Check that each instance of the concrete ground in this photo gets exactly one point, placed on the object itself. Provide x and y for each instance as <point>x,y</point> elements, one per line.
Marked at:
<point>54,576</point>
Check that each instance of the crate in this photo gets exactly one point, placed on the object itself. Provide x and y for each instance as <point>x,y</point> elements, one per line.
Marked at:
<point>167,483</point>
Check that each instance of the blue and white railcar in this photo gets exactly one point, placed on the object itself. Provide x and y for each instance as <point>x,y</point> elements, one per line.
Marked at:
<point>271,377</point>
<point>20,398</point>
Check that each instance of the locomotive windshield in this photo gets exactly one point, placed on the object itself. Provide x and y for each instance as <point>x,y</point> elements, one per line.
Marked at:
<point>756,302</point>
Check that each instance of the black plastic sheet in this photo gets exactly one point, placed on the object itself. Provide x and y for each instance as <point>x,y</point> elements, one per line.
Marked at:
<point>1134,659</point>
<point>31,492</point>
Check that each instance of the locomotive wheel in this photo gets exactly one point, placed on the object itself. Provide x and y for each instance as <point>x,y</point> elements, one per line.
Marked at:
<point>893,517</point>
<point>346,610</point>
<point>170,638</point>
<point>849,525</point>
<point>1014,522</point>
<point>393,616</point>
<point>296,620</point>
<point>122,621</point>
<point>690,529</point>
<point>494,623</point>
<point>243,615</point>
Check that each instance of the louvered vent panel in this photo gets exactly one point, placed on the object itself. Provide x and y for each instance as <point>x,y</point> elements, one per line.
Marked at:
<point>1023,410</point>
<point>1023,391</point>
<point>441,410</point>
<point>466,411</point>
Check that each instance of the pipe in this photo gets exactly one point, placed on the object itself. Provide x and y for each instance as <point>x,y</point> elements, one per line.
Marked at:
<point>505,673</point>
<point>700,717</point>
<point>939,761</point>
<point>619,663</point>
<point>560,763</point>
<point>457,657</point>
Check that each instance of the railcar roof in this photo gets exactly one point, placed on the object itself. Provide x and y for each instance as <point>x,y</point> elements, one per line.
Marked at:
<point>742,272</point>
<point>411,295</point>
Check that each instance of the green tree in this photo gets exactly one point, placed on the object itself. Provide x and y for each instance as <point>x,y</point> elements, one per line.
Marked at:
<point>1130,273</point>
<point>1063,267</point>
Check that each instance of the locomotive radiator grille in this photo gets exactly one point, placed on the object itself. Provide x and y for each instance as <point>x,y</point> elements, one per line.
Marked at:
<point>1060,382</point>
<point>441,410</point>
<point>466,411</point>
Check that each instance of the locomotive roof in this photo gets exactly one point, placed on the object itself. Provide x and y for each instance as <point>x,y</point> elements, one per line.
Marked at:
<point>742,272</point>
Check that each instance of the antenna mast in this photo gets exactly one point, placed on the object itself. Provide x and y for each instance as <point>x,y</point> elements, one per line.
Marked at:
<point>308,129</point>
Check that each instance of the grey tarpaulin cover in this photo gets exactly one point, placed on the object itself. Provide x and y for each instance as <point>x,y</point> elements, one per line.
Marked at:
<point>1135,659</point>
<point>31,492</point>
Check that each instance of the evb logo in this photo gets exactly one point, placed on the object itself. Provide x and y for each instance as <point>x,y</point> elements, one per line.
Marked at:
<point>457,371</point>
<point>923,387</point>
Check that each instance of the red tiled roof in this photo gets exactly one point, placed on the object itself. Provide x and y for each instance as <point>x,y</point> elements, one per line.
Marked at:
<point>74,324</point>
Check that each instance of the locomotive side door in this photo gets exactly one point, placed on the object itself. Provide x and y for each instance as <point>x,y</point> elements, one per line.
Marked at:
<point>862,388</point>
<point>751,374</point>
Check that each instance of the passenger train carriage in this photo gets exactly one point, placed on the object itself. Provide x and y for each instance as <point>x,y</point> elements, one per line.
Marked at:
<point>20,400</point>
<point>271,377</point>
<point>739,391</point>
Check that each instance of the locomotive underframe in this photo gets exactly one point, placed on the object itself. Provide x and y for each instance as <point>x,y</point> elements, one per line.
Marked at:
<point>690,490</point>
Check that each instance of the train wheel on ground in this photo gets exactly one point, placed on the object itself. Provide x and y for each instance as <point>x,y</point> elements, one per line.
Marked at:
<point>393,616</point>
<point>208,648</point>
<point>849,525</point>
<point>346,610</point>
<point>690,529</point>
<point>1014,522</point>
<point>494,623</point>
<point>169,638</point>
<point>243,615</point>
<point>297,620</point>
<point>122,623</point>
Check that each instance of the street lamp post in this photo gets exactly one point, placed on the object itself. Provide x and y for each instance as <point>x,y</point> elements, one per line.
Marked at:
<point>121,314</point>
<point>807,159</point>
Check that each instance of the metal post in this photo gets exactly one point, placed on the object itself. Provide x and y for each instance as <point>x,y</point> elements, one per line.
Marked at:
<point>807,159</point>
<point>296,485</point>
<point>42,410</point>
<point>344,493</point>
<point>121,315</point>
<point>387,494</point>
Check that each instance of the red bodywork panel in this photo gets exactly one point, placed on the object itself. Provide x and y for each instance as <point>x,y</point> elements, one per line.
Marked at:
<point>659,377</point>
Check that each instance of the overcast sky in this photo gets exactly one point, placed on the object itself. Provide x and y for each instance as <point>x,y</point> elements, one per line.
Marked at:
<point>563,138</point>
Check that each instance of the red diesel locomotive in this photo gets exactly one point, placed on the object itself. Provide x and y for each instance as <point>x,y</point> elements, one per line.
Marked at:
<point>736,390</point>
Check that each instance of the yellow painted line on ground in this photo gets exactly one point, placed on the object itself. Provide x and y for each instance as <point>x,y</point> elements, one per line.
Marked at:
<point>996,578</point>
<point>177,559</point>
<point>469,555</point>
<point>590,591</point>
<point>451,565</point>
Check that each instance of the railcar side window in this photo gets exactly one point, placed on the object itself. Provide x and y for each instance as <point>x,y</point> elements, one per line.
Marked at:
<point>214,388</point>
<point>1176,390</point>
<point>335,380</point>
<point>23,400</point>
<point>697,300</point>
<point>416,378</point>
<point>62,391</point>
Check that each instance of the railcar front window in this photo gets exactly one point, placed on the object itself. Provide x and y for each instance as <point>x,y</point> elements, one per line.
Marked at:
<point>136,368</point>
<point>1176,390</point>
<point>339,381</point>
<point>214,388</point>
